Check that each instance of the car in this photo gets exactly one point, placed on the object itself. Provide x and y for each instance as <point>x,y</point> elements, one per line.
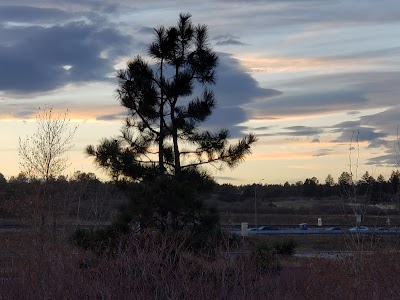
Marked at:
<point>359,229</point>
<point>267,227</point>
<point>381,229</point>
<point>334,229</point>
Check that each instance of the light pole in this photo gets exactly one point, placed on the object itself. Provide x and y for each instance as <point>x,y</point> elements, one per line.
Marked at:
<point>255,204</point>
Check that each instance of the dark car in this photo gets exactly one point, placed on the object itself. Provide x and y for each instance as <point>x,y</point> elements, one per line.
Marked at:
<point>334,229</point>
<point>381,229</point>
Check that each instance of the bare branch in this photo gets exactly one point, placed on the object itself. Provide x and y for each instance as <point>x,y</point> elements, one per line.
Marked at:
<point>43,155</point>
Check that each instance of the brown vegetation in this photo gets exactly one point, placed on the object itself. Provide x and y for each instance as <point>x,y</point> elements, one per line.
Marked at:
<point>154,266</point>
<point>41,263</point>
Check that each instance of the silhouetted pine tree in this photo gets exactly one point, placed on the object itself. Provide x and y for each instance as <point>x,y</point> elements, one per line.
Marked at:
<point>165,113</point>
<point>161,143</point>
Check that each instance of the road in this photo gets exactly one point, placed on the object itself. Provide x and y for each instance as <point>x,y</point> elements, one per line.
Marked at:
<point>318,231</point>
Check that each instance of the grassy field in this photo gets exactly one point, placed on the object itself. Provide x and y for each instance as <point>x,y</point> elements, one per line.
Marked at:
<point>343,242</point>
<point>37,264</point>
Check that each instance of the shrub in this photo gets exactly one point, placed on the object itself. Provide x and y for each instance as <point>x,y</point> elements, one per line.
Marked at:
<point>265,259</point>
<point>265,254</point>
<point>285,247</point>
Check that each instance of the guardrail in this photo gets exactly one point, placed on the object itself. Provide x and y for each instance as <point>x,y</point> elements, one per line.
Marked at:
<point>317,231</point>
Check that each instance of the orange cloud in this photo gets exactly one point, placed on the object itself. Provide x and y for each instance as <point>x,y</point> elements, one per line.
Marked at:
<point>301,64</point>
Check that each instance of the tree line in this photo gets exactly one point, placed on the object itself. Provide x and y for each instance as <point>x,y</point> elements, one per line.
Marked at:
<point>374,190</point>
<point>78,198</point>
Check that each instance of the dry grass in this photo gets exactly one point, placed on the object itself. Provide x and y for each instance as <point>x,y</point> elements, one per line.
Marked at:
<point>154,266</point>
<point>148,266</point>
<point>362,276</point>
<point>339,242</point>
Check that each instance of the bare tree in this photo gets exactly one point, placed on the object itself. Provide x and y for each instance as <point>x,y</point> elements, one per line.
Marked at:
<point>43,155</point>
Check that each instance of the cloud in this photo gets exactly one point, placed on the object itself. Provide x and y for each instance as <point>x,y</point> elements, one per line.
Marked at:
<point>105,6</point>
<point>387,160</point>
<point>92,47</point>
<point>322,152</point>
<point>355,112</point>
<point>223,37</point>
<point>294,132</point>
<point>229,42</point>
<point>31,14</point>
<point>307,104</point>
<point>33,62</point>
<point>302,131</point>
<point>365,81</point>
<point>342,93</point>
<point>228,118</point>
<point>262,128</point>
<point>146,30</point>
<point>353,132</point>
<point>234,88</point>
<point>227,39</point>
<point>316,140</point>
<point>387,120</point>
<point>112,117</point>
<point>379,143</point>
<point>25,114</point>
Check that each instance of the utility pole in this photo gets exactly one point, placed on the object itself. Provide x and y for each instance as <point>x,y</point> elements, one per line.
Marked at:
<point>255,205</point>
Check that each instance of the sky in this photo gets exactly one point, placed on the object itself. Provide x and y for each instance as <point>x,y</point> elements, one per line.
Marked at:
<point>317,81</point>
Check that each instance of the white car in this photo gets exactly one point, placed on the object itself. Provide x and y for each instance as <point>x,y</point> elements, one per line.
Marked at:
<point>267,227</point>
<point>359,229</point>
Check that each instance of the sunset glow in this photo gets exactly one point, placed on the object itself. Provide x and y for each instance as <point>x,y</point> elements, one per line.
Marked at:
<point>317,81</point>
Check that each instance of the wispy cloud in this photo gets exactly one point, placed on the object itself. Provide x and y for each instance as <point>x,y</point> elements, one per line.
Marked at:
<point>227,39</point>
<point>229,42</point>
<point>112,117</point>
<point>323,152</point>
